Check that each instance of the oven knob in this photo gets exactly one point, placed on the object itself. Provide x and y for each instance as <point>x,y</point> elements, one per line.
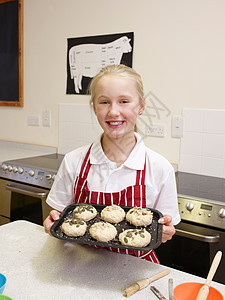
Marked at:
<point>53,177</point>
<point>189,206</point>
<point>31,173</point>
<point>20,170</point>
<point>222,213</point>
<point>4,167</point>
<point>48,176</point>
<point>10,168</point>
<point>15,169</point>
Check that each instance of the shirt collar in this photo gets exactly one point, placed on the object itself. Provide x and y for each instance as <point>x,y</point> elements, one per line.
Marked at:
<point>97,155</point>
<point>135,160</point>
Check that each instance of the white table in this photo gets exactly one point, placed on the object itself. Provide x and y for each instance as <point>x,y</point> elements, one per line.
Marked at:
<point>40,267</point>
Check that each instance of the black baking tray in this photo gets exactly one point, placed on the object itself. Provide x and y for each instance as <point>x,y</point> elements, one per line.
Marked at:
<point>155,229</point>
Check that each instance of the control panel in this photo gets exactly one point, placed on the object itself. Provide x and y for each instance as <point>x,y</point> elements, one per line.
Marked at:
<point>36,177</point>
<point>198,211</point>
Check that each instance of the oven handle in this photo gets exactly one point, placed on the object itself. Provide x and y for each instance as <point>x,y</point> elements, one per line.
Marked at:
<point>28,191</point>
<point>197,236</point>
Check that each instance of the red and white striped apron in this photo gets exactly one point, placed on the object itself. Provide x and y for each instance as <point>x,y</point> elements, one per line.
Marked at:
<point>131,196</point>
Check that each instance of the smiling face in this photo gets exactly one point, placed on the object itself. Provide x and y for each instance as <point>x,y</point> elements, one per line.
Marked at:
<point>116,105</point>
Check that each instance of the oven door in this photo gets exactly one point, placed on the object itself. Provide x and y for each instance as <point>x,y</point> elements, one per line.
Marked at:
<point>27,203</point>
<point>192,250</point>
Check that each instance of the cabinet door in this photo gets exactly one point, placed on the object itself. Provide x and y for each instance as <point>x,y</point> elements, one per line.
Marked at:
<point>5,203</point>
<point>4,220</point>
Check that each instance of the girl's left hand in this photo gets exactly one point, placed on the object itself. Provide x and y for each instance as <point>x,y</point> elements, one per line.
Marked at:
<point>168,228</point>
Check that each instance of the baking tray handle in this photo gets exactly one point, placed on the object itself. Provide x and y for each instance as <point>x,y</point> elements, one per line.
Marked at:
<point>28,191</point>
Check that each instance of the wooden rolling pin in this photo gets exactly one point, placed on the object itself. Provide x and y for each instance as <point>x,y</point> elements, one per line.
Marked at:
<point>204,290</point>
<point>143,283</point>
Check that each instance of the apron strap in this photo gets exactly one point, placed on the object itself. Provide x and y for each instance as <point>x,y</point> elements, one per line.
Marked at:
<point>140,177</point>
<point>86,164</point>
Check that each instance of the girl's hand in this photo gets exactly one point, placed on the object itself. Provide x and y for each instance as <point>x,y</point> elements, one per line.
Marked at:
<point>168,228</point>
<point>50,220</point>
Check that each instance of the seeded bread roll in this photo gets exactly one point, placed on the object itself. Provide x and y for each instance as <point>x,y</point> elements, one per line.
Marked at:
<point>135,237</point>
<point>74,227</point>
<point>113,214</point>
<point>139,216</point>
<point>85,212</point>
<point>102,231</point>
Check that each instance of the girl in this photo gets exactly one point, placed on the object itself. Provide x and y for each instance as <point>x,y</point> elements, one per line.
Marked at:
<point>118,168</point>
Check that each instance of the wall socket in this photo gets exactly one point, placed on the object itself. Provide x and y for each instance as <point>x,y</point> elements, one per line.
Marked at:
<point>155,130</point>
<point>33,120</point>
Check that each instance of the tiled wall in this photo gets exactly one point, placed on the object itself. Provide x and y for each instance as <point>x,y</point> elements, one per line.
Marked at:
<point>78,126</point>
<point>203,143</point>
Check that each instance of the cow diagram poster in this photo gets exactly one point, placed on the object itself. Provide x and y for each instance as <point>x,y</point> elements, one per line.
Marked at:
<point>87,55</point>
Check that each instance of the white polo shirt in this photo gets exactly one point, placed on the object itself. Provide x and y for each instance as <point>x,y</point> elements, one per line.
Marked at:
<point>104,176</point>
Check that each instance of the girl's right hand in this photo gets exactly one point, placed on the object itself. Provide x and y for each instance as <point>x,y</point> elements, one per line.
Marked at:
<point>50,220</point>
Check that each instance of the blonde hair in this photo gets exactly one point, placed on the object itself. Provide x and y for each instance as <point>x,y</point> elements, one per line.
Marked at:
<point>119,70</point>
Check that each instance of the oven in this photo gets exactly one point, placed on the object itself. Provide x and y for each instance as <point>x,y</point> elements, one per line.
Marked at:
<point>24,187</point>
<point>201,232</point>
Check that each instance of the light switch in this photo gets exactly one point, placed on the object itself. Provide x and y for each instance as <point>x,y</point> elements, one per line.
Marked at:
<point>177,126</point>
<point>46,117</point>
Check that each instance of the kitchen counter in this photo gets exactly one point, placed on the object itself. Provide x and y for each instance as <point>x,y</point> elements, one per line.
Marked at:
<point>15,150</point>
<point>38,266</point>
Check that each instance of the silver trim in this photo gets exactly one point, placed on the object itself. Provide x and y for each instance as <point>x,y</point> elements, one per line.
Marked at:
<point>193,198</point>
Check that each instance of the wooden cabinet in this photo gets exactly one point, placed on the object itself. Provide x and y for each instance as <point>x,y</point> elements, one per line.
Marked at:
<point>5,200</point>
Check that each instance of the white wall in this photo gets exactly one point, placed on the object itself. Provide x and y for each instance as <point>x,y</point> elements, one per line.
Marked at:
<point>179,50</point>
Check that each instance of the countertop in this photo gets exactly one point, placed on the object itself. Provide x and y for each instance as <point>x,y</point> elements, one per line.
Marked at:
<point>38,266</point>
<point>15,150</point>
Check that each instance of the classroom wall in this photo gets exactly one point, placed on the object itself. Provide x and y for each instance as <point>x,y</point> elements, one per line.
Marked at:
<point>179,50</point>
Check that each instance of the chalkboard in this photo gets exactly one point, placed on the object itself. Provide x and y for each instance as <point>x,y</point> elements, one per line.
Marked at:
<point>11,83</point>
